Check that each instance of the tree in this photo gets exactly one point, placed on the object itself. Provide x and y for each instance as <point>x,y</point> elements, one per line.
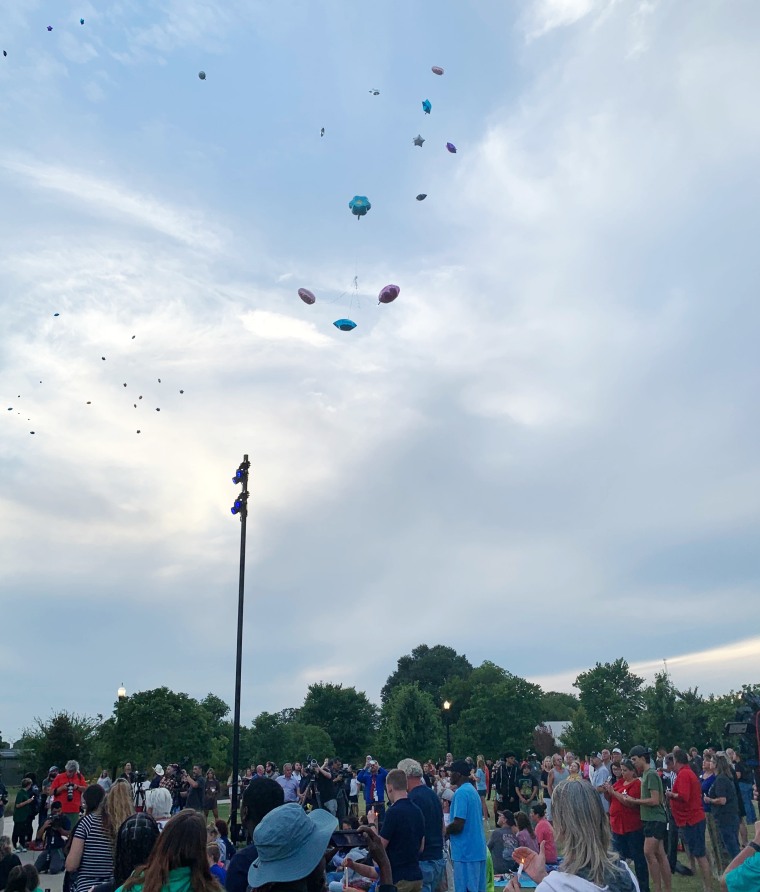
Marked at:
<point>270,737</point>
<point>64,736</point>
<point>346,714</point>
<point>410,726</point>
<point>612,697</point>
<point>582,737</point>
<point>162,726</point>
<point>502,714</point>
<point>430,668</point>
<point>557,706</point>
<point>543,741</point>
<point>666,718</point>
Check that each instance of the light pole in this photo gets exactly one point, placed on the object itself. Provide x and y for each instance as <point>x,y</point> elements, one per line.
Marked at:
<point>240,507</point>
<point>447,713</point>
<point>122,693</point>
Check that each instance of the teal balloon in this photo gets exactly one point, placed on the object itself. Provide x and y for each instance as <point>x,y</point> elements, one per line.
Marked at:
<point>426,106</point>
<point>359,205</point>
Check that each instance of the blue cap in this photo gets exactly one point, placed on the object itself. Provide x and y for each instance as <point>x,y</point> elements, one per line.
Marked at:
<point>290,844</point>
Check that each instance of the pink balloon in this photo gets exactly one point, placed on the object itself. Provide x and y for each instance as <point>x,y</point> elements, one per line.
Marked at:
<point>388,294</point>
<point>306,296</point>
<point>436,69</point>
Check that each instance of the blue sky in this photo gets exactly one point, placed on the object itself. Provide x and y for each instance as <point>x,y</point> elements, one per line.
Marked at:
<point>549,435</point>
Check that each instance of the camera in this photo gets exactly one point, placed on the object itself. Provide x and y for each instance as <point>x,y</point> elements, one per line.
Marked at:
<point>56,822</point>
<point>69,792</point>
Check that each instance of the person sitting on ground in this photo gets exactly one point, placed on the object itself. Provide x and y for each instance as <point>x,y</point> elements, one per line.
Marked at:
<point>499,845</point>
<point>134,842</point>
<point>224,839</point>
<point>8,860</point>
<point>17,880</point>
<point>178,861</point>
<point>583,833</point>
<point>543,831</point>
<point>743,873</point>
<point>215,863</point>
<point>53,834</point>
<point>526,835</point>
<point>258,800</point>
<point>158,804</point>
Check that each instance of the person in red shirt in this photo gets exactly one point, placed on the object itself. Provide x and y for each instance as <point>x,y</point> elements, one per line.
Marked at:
<point>625,820</point>
<point>67,788</point>
<point>544,832</point>
<point>689,815</point>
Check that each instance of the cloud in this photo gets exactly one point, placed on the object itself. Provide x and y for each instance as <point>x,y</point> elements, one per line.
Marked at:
<point>114,201</point>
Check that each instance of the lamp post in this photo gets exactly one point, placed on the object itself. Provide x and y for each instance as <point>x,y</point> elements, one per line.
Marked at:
<point>240,507</point>
<point>447,713</point>
<point>122,693</point>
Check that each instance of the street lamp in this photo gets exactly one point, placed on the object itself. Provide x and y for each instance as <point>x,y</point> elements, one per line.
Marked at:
<point>122,693</point>
<point>239,509</point>
<point>447,713</point>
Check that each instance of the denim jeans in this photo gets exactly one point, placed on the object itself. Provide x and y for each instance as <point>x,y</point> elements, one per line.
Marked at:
<point>729,835</point>
<point>631,845</point>
<point>749,805</point>
<point>432,871</point>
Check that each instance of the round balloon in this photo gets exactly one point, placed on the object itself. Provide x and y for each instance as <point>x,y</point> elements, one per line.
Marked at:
<point>202,75</point>
<point>436,69</point>
<point>388,294</point>
<point>306,296</point>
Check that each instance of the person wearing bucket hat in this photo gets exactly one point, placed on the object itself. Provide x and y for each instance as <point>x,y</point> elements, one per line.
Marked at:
<point>291,844</point>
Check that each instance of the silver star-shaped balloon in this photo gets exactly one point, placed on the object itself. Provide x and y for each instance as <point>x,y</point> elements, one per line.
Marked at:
<point>418,140</point>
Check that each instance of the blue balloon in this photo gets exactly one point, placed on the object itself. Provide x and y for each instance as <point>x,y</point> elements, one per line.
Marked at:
<point>344,324</point>
<point>359,205</point>
<point>426,106</point>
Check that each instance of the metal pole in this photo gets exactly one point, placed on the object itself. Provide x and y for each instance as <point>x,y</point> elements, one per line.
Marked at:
<point>448,732</point>
<point>239,657</point>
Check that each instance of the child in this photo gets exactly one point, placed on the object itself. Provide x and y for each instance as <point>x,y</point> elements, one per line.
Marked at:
<point>525,835</point>
<point>214,858</point>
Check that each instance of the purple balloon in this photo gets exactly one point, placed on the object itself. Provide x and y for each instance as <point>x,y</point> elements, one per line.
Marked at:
<point>388,294</point>
<point>306,296</point>
<point>451,147</point>
<point>50,27</point>
<point>436,69</point>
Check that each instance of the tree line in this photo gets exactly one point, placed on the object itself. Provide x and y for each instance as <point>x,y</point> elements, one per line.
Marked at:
<point>490,711</point>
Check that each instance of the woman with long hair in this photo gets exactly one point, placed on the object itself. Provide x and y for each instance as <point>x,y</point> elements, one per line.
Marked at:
<point>118,807</point>
<point>583,834</point>
<point>91,852</point>
<point>134,842</point>
<point>526,835</point>
<point>625,819</point>
<point>725,805</point>
<point>481,785</point>
<point>211,795</point>
<point>178,859</point>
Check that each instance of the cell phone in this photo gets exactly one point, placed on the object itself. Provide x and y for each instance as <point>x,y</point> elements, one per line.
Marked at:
<point>344,840</point>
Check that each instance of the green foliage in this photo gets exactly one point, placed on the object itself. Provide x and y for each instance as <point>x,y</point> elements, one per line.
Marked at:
<point>164,726</point>
<point>612,697</point>
<point>583,736</point>
<point>410,726</point>
<point>64,736</point>
<point>558,707</point>
<point>502,714</point>
<point>346,714</point>
<point>430,668</point>
<point>276,737</point>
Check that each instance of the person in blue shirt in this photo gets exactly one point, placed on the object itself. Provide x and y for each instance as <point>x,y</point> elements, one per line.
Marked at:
<point>372,776</point>
<point>432,862</point>
<point>465,831</point>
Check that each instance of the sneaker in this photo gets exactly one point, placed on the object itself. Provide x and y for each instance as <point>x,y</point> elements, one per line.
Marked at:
<point>23,849</point>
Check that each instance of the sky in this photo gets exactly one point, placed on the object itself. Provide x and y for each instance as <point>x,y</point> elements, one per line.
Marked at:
<point>543,453</point>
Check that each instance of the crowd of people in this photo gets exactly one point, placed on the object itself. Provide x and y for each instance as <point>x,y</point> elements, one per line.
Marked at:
<point>608,822</point>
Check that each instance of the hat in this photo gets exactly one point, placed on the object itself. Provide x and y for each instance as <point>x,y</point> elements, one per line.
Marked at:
<point>461,766</point>
<point>639,751</point>
<point>290,844</point>
<point>447,795</point>
<point>598,756</point>
<point>618,750</point>
<point>159,769</point>
<point>524,764</point>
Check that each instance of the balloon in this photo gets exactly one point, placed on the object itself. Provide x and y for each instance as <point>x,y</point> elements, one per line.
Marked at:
<point>359,205</point>
<point>81,21</point>
<point>426,106</point>
<point>422,196</point>
<point>202,75</point>
<point>436,69</point>
<point>344,324</point>
<point>50,27</point>
<point>56,314</point>
<point>307,296</point>
<point>375,92</point>
<point>388,294</point>
<point>418,140</point>
<point>451,147</point>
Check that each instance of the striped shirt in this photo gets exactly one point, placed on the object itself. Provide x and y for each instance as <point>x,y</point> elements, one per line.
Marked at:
<point>96,865</point>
